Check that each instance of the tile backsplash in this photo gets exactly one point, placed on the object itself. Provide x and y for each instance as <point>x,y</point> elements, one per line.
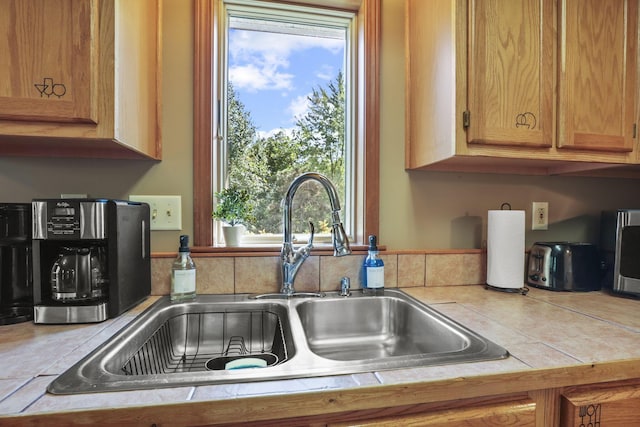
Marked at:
<point>261,274</point>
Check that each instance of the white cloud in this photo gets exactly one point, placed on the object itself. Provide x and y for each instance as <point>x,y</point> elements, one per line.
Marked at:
<point>325,73</point>
<point>252,77</point>
<point>272,132</point>
<point>261,58</point>
<point>298,106</point>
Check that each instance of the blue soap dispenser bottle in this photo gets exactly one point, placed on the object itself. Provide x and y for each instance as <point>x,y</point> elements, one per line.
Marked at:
<point>373,270</point>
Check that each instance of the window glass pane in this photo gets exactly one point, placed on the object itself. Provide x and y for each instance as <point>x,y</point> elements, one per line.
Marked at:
<point>287,113</point>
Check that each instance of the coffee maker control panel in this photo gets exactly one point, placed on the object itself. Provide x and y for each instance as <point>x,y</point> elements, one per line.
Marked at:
<point>69,219</point>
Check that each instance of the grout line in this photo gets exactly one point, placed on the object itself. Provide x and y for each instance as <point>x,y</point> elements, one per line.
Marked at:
<point>424,272</point>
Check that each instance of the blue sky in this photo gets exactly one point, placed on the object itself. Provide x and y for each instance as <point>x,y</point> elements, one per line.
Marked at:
<point>274,73</point>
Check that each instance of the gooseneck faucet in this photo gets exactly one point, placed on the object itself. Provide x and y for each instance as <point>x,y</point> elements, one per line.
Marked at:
<point>292,259</point>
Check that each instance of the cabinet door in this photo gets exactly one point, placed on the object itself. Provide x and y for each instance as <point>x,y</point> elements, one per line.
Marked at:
<point>511,79</point>
<point>47,66</point>
<point>598,81</point>
<point>610,407</point>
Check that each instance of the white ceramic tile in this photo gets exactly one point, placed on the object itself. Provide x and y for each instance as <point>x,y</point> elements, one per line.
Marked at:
<point>491,329</point>
<point>539,355</point>
<point>30,392</point>
<point>84,348</point>
<point>160,396</point>
<point>8,387</point>
<point>41,346</point>
<point>433,373</point>
<point>280,387</point>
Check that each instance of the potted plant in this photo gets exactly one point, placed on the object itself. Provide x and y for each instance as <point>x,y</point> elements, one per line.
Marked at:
<point>235,209</point>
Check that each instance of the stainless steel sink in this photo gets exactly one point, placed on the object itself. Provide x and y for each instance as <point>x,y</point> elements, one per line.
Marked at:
<point>192,343</point>
<point>378,328</point>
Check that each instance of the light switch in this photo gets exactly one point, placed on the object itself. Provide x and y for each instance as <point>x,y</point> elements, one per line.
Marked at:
<point>166,211</point>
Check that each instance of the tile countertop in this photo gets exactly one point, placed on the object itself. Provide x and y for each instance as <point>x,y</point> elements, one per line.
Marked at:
<point>550,336</point>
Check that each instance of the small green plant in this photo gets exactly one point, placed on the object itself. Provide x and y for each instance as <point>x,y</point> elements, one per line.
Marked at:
<point>234,206</point>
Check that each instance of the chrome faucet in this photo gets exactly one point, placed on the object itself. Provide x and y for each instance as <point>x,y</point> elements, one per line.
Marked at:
<point>292,259</point>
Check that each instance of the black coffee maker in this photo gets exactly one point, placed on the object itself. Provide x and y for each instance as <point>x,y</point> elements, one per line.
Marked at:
<point>91,258</point>
<point>16,280</point>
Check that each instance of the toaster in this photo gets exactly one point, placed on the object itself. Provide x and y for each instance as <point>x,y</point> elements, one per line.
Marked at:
<point>565,266</point>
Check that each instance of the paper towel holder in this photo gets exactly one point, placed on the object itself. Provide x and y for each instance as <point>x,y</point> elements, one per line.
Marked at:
<point>523,290</point>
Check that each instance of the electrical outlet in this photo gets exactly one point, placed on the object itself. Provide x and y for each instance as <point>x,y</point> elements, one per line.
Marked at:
<point>540,216</point>
<point>166,211</point>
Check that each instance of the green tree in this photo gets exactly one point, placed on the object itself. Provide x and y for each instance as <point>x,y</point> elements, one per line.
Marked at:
<point>267,165</point>
<point>320,135</point>
<point>278,154</point>
<point>322,129</point>
<point>243,170</point>
<point>241,132</point>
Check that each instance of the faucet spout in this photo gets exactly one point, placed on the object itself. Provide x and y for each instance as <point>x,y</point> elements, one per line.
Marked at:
<point>292,259</point>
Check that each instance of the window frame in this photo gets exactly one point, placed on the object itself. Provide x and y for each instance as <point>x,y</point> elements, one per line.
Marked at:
<point>206,115</point>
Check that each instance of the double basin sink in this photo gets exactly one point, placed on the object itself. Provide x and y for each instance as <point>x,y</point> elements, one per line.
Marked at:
<point>238,338</point>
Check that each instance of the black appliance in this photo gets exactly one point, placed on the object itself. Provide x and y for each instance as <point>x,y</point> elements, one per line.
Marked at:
<point>91,258</point>
<point>565,266</point>
<point>620,241</point>
<point>16,280</point>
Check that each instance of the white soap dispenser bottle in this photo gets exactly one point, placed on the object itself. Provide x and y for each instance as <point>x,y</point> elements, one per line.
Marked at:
<point>183,273</point>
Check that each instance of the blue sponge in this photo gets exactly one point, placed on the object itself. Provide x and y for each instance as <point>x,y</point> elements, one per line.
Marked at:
<point>245,362</point>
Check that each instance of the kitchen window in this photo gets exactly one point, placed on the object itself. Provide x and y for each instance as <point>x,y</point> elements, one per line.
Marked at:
<point>358,22</point>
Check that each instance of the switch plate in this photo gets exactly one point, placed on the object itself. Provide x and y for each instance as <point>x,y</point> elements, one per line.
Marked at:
<point>166,211</point>
<point>73,196</point>
<point>540,216</point>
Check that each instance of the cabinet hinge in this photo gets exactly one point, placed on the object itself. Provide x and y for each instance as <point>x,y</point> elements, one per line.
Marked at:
<point>466,119</point>
<point>635,130</point>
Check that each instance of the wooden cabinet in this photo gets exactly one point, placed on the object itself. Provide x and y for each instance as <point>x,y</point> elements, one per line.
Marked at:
<point>46,77</point>
<point>80,78</point>
<point>533,86</point>
<point>517,413</point>
<point>510,85</point>
<point>601,406</point>
<point>598,75</point>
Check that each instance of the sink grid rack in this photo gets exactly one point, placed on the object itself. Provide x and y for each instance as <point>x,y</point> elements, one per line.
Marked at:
<point>193,342</point>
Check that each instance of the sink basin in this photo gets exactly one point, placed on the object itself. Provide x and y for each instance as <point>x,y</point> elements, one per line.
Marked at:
<point>198,342</point>
<point>209,338</point>
<point>377,328</point>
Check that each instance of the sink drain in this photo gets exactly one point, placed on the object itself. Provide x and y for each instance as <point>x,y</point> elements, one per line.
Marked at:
<point>220,363</point>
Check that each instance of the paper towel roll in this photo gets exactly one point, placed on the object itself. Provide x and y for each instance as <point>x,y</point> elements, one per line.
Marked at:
<point>505,249</point>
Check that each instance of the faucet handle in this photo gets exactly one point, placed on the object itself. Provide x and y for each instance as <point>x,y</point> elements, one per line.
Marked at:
<point>345,286</point>
<point>304,251</point>
<point>312,233</point>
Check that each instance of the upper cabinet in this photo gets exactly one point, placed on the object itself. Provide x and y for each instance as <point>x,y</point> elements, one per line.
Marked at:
<point>80,78</point>
<point>530,86</point>
<point>598,88</point>
<point>46,77</point>
<point>510,80</point>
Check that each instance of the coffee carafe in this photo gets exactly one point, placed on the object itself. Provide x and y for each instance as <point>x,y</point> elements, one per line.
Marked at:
<point>78,274</point>
<point>91,259</point>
